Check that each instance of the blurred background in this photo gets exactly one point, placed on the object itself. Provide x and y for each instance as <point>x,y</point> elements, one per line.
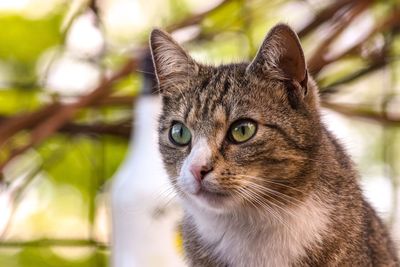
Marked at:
<point>71,73</point>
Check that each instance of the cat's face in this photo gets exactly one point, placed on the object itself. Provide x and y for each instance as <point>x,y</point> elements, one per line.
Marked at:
<point>237,135</point>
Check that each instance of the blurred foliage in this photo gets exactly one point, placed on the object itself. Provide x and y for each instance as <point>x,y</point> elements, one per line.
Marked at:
<point>61,198</point>
<point>18,100</point>
<point>23,41</point>
<point>47,257</point>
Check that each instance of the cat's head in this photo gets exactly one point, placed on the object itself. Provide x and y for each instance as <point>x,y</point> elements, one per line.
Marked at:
<point>238,135</point>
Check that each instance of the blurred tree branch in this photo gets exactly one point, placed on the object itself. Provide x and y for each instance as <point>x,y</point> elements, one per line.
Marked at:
<point>119,129</point>
<point>376,65</point>
<point>324,15</point>
<point>54,243</point>
<point>318,59</point>
<point>389,23</point>
<point>11,125</point>
<point>355,111</point>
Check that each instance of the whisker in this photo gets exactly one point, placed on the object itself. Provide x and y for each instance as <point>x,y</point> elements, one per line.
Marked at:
<point>250,197</point>
<point>165,193</point>
<point>281,195</point>
<point>274,211</point>
<point>254,196</point>
<point>259,191</point>
<point>145,72</point>
<point>269,181</point>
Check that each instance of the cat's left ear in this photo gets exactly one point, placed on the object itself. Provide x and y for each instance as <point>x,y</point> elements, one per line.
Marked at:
<point>281,54</point>
<point>173,66</point>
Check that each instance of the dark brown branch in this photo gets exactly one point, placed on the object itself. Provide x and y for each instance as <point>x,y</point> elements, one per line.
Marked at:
<point>122,130</point>
<point>389,23</point>
<point>324,15</point>
<point>357,112</point>
<point>9,126</point>
<point>318,60</point>
<point>12,125</point>
<point>332,88</point>
<point>93,6</point>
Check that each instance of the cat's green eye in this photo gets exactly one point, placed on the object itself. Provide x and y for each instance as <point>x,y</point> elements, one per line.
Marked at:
<point>180,134</point>
<point>242,130</point>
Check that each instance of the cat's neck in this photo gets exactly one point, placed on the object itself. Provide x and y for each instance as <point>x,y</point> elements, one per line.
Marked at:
<point>282,236</point>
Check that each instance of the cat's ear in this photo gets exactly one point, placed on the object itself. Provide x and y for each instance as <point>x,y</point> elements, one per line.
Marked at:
<point>281,54</point>
<point>172,64</point>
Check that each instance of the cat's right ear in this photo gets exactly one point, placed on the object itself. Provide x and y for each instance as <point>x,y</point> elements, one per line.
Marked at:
<point>281,56</point>
<point>172,64</point>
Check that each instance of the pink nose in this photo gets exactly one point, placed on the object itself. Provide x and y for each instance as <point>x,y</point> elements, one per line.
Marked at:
<point>200,171</point>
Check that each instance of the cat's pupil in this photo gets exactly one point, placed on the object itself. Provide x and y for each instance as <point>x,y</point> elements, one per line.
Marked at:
<point>243,130</point>
<point>180,131</point>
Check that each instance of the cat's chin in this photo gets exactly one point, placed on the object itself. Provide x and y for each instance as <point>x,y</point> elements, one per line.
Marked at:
<point>210,201</point>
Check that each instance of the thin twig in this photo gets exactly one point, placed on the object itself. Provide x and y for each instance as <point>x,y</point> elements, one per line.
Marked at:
<point>118,129</point>
<point>55,243</point>
<point>356,112</point>
<point>390,22</point>
<point>333,87</point>
<point>324,15</point>
<point>318,60</point>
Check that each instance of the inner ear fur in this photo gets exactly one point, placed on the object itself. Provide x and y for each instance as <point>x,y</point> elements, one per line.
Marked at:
<point>281,52</point>
<point>173,66</point>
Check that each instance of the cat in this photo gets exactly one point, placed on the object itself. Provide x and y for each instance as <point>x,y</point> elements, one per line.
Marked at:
<point>261,179</point>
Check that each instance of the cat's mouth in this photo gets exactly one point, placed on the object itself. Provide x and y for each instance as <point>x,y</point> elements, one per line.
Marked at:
<point>204,192</point>
<point>211,196</point>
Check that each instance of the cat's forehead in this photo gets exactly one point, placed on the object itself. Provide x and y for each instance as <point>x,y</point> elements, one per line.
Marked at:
<point>216,91</point>
<point>233,71</point>
<point>216,97</point>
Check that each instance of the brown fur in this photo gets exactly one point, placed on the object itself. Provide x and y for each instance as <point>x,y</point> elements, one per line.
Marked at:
<point>292,154</point>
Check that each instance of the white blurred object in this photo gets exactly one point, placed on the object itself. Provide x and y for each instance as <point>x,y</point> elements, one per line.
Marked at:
<point>84,38</point>
<point>144,219</point>
<point>71,77</point>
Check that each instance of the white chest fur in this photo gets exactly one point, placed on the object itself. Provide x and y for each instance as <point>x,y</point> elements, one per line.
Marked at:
<point>261,242</point>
